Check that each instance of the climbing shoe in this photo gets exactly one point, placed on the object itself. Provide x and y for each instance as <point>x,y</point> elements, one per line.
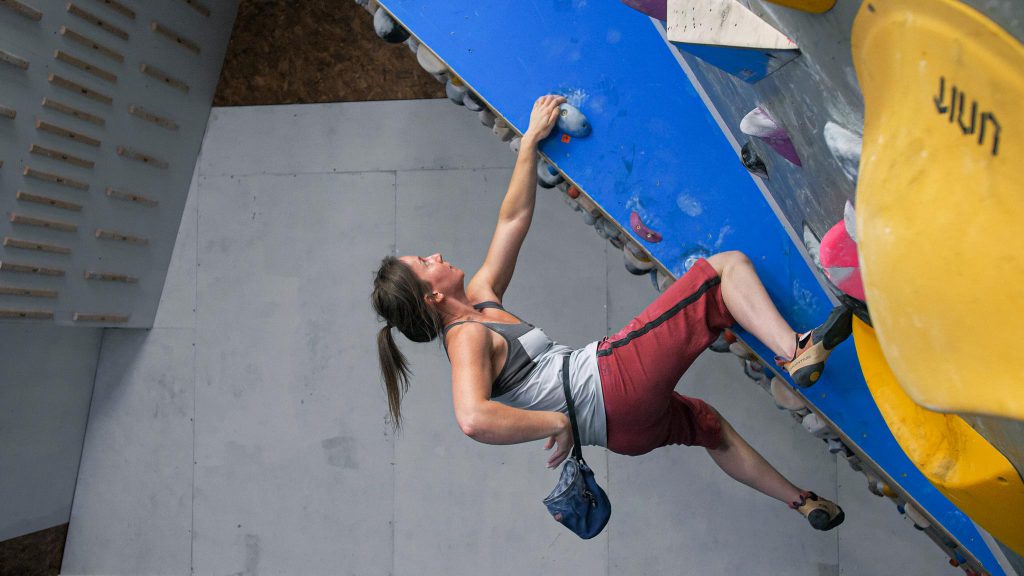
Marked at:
<point>821,513</point>
<point>813,348</point>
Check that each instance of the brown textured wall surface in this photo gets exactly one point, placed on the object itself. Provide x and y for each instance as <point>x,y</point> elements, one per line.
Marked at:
<point>35,554</point>
<point>305,51</point>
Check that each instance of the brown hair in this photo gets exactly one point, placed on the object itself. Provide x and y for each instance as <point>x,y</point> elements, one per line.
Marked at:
<point>398,299</point>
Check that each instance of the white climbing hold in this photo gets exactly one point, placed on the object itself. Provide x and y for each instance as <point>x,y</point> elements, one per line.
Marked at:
<point>486,118</point>
<point>845,147</point>
<point>514,143</point>
<point>429,61</point>
<point>784,396</point>
<point>850,221</point>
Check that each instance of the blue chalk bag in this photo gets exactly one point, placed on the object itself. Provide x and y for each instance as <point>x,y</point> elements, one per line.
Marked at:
<point>577,502</point>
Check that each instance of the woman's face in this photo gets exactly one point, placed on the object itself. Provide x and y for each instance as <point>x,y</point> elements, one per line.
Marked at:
<point>435,271</point>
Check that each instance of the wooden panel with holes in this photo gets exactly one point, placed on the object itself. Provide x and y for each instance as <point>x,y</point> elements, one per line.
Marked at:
<point>16,61</point>
<point>97,21</point>
<point>42,223</point>
<point>38,246</point>
<point>23,9</point>
<point>55,178</point>
<point>119,237</point>
<point>140,112</point>
<point>139,156</point>
<point>66,133</point>
<point>79,89</point>
<point>174,37</point>
<point>85,66</point>
<point>106,318</point>
<point>164,77</point>
<point>29,269</point>
<point>72,111</point>
<point>129,197</point>
<point>62,156</point>
<point>91,44</point>
<point>26,314</point>
<point>46,201</point>
<point>30,292</point>
<point>110,277</point>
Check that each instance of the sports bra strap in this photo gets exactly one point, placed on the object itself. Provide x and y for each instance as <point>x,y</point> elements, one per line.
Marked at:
<point>488,304</point>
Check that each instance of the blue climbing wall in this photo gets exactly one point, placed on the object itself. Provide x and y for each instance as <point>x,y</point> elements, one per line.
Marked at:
<point>656,150</point>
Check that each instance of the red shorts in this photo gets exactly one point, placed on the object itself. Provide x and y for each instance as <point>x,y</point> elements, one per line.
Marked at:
<point>641,364</point>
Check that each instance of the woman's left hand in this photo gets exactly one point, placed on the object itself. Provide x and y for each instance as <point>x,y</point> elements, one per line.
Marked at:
<point>562,441</point>
<point>543,118</point>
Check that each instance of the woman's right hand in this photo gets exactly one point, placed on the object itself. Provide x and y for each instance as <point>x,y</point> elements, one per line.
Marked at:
<point>562,441</point>
<point>543,118</point>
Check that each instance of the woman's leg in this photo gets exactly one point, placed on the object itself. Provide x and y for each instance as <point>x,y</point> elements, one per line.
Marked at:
<point>750,305</point>
<point>740,461</point>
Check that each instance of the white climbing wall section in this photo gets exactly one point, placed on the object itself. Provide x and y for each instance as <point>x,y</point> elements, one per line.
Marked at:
<point>103,106</point>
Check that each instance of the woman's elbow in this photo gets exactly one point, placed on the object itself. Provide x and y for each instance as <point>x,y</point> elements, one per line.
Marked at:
<point>471,425</point>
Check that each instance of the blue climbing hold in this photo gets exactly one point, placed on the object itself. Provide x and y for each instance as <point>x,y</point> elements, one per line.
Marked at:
<point>572,121</point>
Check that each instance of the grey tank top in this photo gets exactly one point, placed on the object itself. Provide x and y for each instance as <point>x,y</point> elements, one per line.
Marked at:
<point>531,377</point>
<point>525,343</point>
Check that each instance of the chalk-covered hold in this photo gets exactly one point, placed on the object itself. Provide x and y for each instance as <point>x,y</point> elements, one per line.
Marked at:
<point>572,121</point>
<point>486,118</point>
<point>752,162</point>
<point>514,144</point>
<point>386,27</point>
<point>845,147</point>
<point>785,397</point>
<point>455,90</point>
<point>634,265</point>
<point>547,175</point>
<point>429,61</point>
<point>472,101</point>
<point>760,124</point>
<point>503,131</point>
<point>413,44</point>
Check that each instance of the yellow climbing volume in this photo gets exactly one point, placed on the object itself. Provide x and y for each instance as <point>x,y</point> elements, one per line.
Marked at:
<point>968,470</point>
<point>940,201</point>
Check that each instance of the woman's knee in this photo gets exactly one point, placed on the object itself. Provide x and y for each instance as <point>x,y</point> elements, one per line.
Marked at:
<point>725,260</point>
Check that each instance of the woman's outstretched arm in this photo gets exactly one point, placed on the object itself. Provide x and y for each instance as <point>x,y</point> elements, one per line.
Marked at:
<point>516,212</point>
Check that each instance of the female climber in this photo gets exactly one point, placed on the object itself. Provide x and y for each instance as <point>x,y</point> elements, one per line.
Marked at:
<point>506,384</point>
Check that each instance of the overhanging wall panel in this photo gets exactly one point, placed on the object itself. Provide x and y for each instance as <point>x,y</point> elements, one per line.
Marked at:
<point>133,140</point>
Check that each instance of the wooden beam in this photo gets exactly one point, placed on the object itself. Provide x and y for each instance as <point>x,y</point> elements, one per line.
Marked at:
<point>16,61</point>
<point>30,269</point>
<point>33,292</point>
<point>91,44</point>
<point>119,8</point>
<point>148,116</point>
<point>129,197</point>
<point>26,314</point>
<point>79,89</point>
<point>42,223</point>
<point>8,112</point>
<point>45,201</point>
<point>85,66</point>
<point>105,318</point>
<point>144,158</point>
<point>62,156</point>
<point>69,134</point>
<point>54,178</point>
<point>110,277</point>
<point>164,77</point>
<point>174,37</point>
<point>40,246</point>
<point>111,235</point>
<point>72,111</point>
<point>97,21</point>
<point>23,9</point>
<point>198,7</point>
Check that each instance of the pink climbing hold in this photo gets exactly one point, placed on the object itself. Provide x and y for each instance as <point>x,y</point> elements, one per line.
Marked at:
<point>641,229</point>
<point>760,124</point>
<point>838,255</point>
